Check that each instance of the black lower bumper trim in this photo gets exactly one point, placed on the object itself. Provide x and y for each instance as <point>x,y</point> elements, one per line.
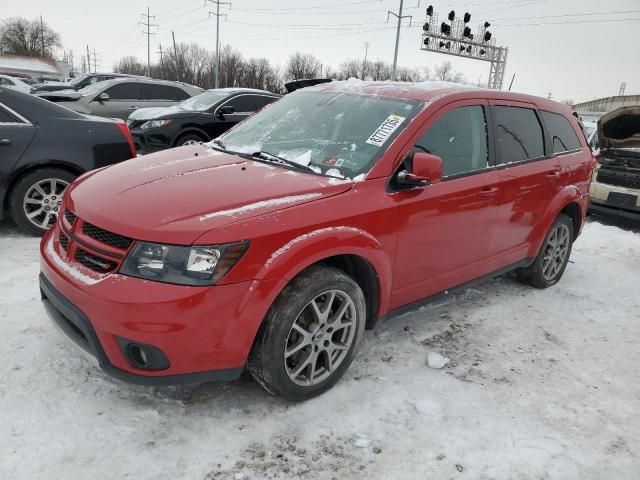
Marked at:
<point>75,324</point>
<point>615,211</point>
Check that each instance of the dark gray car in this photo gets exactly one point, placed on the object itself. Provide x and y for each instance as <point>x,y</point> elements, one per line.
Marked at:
<point>44,147</point>
<point>117,98</point>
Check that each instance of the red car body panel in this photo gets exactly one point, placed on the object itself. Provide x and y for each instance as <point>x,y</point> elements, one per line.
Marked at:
<point>412,239</point>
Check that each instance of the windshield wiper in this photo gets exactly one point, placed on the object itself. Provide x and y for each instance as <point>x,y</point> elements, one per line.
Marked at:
<point>277,159</point>
<point>219,143</point>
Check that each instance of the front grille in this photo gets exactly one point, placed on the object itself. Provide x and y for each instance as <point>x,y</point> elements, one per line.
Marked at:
<point>618,178</point>
<point>64,241</point>
<point>101,235</point>
<point>95,263</point>
<point>70,216</point>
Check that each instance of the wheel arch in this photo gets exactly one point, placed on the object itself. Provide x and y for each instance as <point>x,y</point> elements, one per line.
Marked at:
<point>350,249</point>
<point>568,201</point>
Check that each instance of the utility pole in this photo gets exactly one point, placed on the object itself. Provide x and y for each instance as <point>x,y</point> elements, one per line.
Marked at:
<point>42,34</point>
<point>175,53</point>
<point>88,60</point>
<point>95,61</point>
<point>217,15</point>
<point>148,33</point>
<point>364,64</point>
<point>161,59</point>
<point>400,17</point>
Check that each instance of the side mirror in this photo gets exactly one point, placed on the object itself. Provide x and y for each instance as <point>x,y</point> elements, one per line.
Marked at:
<point>226,110</point>
<point>426,169</point>
<point>103,97</point>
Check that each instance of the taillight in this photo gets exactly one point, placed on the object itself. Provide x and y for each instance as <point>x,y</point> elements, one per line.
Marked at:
<point>125,131</point>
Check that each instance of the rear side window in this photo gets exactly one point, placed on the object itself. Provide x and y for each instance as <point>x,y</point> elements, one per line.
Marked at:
<point>162,92</point>
<point>563,136</point>
<point>264,101</point>
<point>6,117</point>
<point>518,134</point>
<point>459,137</point>
<point>124,91</point>
<point>244,103</point>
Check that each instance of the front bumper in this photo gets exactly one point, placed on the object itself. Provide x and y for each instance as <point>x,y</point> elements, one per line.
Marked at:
<point>206,333</point>
<point>151,140</point>
<point>616,200</point>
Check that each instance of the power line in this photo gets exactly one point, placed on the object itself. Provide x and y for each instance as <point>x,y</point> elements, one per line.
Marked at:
<point>148,33</point>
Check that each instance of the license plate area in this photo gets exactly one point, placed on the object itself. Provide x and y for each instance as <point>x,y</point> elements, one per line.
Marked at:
<point>622,200</point>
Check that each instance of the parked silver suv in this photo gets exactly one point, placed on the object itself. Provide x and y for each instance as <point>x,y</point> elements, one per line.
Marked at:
<point>119,97</point>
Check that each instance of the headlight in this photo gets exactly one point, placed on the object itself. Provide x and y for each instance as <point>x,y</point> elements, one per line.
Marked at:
<point>155,123</point>
<point>196,265</point>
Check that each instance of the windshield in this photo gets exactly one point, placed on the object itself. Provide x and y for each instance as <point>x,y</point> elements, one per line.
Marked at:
<point>334,133</point>
<point>77,80</point>
<point>91,89</point>
<point>204,101</point>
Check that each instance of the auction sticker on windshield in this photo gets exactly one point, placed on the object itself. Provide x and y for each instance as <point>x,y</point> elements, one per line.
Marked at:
<point>384,131</point>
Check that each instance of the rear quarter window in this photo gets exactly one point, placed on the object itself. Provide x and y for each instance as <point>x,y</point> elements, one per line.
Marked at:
<point>518,134</point>
<point>563,136</point>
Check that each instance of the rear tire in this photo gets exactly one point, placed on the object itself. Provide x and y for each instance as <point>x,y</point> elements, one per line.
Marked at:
<point>551,261</point>
<point>35,200</point>
<point>189,139</point>
<point>310,335</point>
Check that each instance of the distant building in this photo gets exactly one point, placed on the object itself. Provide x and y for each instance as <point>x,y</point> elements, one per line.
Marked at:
<point>31,67</point>
<point>594,109</point>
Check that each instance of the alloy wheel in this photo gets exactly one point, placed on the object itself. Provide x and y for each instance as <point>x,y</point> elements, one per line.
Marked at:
<point>320,338</point>
<point>555,253</point>
<point>191,142</point>
<point>42,201</point>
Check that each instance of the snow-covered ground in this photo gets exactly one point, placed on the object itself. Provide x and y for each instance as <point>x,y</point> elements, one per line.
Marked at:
<point>541,384</point>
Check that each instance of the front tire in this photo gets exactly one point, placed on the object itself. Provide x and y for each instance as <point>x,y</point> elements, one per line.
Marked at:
<point>189,139</point>
<point>36,198</point>
<point>551,261</point>
<point>310,334</point>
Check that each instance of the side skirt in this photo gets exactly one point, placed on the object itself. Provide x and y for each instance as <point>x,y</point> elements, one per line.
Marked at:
<point>425,301</point>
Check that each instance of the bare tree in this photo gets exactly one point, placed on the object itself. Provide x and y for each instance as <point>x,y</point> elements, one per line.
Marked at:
<point>302,65</point>
<point>130,65</point>
<point>351,69</point>
<point>32,38</point>
<point>445,72</point>
<point>379,70</point>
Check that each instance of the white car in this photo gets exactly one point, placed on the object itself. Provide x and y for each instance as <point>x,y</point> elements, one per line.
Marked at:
<point>12,82</point>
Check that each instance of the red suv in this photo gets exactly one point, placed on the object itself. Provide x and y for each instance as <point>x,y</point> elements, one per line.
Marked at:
<point>272,248</point>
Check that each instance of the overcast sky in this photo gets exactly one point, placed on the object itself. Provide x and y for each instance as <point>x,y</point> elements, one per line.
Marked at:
<point>573,49</point>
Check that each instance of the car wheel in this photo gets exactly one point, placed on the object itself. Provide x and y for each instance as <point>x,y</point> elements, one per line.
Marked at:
<point>551,261</point>
<point>189,139</point>
<point>35,199</point>
<point>310,335</point>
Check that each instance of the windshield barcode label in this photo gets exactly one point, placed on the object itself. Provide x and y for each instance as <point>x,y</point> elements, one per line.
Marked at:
<point>384,131</point>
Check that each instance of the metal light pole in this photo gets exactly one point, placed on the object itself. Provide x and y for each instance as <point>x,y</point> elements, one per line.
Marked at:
<point>400,17</point>
<point>148,33</point>
<point>217,14</point>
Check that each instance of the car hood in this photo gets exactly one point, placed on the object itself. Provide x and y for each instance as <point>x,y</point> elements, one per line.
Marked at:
<point>161,112</point>
<point>177,195</point>
<point>620,129</point>
<point>61,95</point>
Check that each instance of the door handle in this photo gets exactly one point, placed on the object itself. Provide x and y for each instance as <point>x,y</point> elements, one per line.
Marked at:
<point>4,142</point>
<point>488,192</point>
<point>132,107</point>
<point>553,174</point>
